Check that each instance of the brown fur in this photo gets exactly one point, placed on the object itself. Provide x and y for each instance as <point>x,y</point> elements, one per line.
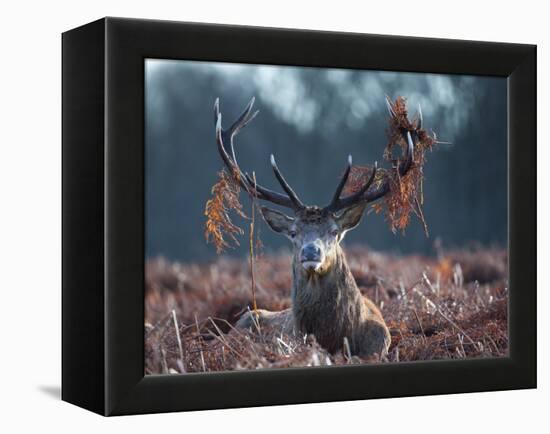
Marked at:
<point>330,306</point>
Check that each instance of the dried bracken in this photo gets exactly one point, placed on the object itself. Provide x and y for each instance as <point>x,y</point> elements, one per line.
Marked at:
<point>225,199</point>
<point>452,306</point>
<point>405,195</point>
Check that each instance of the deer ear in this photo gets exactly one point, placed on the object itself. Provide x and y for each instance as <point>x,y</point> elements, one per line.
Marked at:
<point>350,217</point>
<point>276,220</point>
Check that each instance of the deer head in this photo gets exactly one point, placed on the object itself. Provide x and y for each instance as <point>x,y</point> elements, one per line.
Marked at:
<point>315,233</point>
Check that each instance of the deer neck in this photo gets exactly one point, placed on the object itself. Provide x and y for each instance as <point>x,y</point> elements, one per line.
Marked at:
<point>329,304</point>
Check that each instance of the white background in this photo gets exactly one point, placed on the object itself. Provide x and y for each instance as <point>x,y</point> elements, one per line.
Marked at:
<point>30,215</point>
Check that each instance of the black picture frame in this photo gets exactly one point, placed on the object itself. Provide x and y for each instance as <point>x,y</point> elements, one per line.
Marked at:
<point>103,215</point>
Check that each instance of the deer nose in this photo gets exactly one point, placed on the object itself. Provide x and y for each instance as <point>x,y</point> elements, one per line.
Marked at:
<point>310,252</point>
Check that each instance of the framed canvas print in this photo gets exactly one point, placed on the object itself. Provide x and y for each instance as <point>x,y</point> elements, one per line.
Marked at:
<point>262,216</point>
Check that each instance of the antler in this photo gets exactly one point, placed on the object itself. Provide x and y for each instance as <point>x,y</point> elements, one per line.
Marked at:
<point>224,136</point>
<point>364,195</point>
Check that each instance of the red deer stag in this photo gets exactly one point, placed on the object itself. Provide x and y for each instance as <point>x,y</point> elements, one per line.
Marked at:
<point>325,299</point>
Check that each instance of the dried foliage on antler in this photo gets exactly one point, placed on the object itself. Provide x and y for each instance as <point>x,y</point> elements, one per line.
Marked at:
<point>405,191</point>
<point>225,198</point>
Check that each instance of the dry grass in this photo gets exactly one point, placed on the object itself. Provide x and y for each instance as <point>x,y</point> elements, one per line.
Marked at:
<point>450,307</point>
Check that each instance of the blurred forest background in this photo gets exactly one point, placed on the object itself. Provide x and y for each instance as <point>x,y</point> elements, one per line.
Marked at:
<point>311,119</point>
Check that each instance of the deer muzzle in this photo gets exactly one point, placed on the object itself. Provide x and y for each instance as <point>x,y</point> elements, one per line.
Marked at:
<point>311,257</point>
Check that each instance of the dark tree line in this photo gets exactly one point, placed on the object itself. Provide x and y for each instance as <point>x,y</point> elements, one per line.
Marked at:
<point>311,120</point>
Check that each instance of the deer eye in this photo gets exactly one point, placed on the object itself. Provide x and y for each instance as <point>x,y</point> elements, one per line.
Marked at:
<point>292,234</point>
<point>334,232</point>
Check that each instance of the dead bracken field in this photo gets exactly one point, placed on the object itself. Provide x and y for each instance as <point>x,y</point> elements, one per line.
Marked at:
<point>452,306</point>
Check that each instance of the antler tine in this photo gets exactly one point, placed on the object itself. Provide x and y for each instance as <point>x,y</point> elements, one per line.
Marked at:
<point>420,120</point>
<point>230,161</point>
<point>341,184</point>
<point>406,165</point>
<point>264,193</point>
<point>245,117</point>
<point>225,156</point>
<point>241,122</point>
<point>355,197</point>
<point>389,106</point>
<point>286,187</point>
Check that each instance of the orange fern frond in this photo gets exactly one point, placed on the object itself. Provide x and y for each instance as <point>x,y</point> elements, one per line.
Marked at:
<point>405,195</point>
<point>225,199</point>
